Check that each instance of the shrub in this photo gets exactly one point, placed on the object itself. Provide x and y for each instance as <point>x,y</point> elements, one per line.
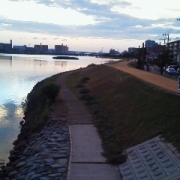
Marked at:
<point>51,90</point>
<point>36,105</point>
<point>84,80</point>
<point>84,91</point>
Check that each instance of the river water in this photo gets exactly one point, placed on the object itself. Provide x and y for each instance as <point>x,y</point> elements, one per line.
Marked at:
<point>18,75</point>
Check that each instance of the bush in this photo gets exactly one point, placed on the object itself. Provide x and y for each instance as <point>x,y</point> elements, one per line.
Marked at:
<point>36,105</point>
<point>84,80</point>
<point>84,91</point>
<point>51,90</point>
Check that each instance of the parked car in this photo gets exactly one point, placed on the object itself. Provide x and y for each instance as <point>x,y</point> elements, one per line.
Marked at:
<point>171,71</point>
<point>173,66</point>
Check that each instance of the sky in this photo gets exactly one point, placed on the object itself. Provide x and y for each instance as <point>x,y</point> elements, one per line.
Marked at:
<point>89,25</point>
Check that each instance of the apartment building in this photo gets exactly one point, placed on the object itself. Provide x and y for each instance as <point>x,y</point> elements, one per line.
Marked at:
<point>174,48</point>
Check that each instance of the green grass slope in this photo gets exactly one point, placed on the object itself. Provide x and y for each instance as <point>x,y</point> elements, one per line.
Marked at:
<point>126,110</point>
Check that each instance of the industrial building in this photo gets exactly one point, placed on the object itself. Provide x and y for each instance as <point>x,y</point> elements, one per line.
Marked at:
<point>41,49</point>
<point>61,49</point>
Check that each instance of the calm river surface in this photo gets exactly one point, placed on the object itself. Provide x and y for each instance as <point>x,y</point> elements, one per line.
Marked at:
<point>18,75</point>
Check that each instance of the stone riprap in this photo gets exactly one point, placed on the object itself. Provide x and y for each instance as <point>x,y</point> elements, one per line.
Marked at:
<point>45,156</point>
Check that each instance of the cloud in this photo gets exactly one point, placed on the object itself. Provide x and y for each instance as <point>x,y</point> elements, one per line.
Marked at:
<point>36,38</point>
<point>42,13</point>
<point>148,10</point>
<point>113,19</point>
<point>5,24</point>
<point>112,2</point>
<point>118,27</point>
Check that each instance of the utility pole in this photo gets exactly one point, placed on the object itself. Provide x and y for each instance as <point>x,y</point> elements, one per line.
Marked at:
<point>163,40</point>
<point>167,36</point>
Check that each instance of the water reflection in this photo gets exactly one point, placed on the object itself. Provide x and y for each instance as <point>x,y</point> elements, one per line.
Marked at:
<point>3,114</point>
<point>6,57</point>
<point>60,63</point>
<point>6,61</point>
<point>19,74</point>
<point>40,62</point>
<point>8,112</point>
<point>10,116</point>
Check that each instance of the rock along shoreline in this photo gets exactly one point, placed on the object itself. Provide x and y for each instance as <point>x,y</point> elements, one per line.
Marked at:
<point>43,155</point>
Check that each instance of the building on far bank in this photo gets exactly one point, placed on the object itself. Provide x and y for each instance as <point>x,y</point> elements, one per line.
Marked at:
<point>5,47</point>
<point>19,49</point>
<point>41,49</point>
<point>61,49</point>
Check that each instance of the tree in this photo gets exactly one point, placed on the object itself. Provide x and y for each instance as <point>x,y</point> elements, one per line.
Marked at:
<point>163,60</point>
<point>140,56</point>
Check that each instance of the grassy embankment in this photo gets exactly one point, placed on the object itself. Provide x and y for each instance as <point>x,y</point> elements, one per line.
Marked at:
<point>37,105</point>
<point>126,110</point>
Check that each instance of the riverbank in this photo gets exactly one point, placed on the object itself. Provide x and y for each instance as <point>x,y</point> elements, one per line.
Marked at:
<point>125,110</point>
<point>42,148</point>
<point>44,155</point>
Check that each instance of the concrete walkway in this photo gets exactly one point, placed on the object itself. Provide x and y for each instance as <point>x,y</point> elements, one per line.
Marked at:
<point>86,161</point>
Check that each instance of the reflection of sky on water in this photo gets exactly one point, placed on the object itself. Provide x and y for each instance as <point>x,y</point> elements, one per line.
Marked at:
<point>18,75</point>
<point>10,116</point>
<point>17,78</point>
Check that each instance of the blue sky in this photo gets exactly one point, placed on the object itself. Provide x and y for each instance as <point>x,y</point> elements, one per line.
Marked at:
<point>88,25</point>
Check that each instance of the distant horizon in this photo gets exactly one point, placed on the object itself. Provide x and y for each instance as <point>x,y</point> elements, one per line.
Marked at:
<point>53,45</point>
<point>51,48</point>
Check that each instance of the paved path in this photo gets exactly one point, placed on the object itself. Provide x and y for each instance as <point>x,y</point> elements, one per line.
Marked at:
<point>158,80</point>
<point>86,161</point>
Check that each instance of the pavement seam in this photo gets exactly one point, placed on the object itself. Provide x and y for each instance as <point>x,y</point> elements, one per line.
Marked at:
<point>89,162</point>
<point>70,154</point>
